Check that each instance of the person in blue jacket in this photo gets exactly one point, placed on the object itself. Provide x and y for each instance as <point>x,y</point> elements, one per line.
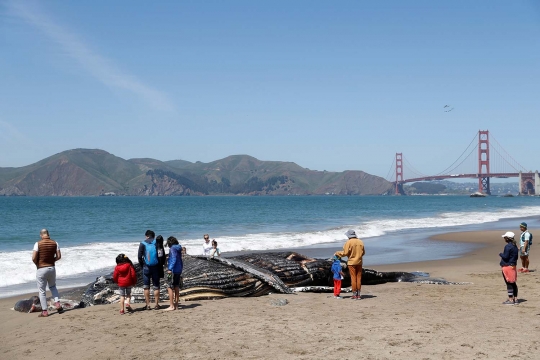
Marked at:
<point>337,272</point>
<point>508,264</point>
<point>174,272</point>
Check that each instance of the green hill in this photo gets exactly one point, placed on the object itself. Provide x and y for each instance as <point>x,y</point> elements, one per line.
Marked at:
<point>87,172</point>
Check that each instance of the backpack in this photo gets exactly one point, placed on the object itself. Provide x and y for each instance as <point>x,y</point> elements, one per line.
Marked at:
<point>150,253</point>
<point>530,239</point>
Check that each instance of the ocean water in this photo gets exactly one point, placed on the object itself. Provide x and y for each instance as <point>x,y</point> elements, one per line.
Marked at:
<point>91,231</point>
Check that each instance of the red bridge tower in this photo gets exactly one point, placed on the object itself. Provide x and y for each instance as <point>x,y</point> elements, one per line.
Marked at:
<point>483,162</point>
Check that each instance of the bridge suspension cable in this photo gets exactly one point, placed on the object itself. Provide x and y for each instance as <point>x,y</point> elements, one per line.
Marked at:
<point>409,167</point>
<point>518,167</point>
<point>390,172</point>
<point>451,168</point>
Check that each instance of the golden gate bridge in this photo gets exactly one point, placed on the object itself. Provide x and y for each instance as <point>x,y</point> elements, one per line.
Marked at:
<point>482,159</point>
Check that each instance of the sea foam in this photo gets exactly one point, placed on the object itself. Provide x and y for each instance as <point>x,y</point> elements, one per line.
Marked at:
<point>83,259</point>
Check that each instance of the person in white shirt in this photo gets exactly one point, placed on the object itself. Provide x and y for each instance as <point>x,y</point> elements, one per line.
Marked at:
<point>207,245</point>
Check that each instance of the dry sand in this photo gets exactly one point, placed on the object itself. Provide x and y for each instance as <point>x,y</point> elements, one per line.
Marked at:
<point>393,321</point>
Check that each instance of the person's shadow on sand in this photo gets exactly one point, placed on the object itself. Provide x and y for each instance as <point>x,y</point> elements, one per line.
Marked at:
<point>364,296</point>
<point>190,306</point>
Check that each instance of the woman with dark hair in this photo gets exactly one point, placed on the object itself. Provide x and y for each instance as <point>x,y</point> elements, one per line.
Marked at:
<point>508,264</point>
<point>174,272</point>
<point>161,255</point>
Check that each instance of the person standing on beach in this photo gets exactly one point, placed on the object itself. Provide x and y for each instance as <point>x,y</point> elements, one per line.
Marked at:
<point>508,265</point>
<point>174,272</point>
<point>125,276</point>
<point>354,251</point>
<point>161,255</point>
<point>45,255</point>
<point>337,271</point>
<point>207,245</point>
<point>524,247</point>
<point>149,261</point>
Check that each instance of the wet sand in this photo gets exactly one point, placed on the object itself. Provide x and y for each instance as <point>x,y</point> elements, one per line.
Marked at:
<point>393,321</point>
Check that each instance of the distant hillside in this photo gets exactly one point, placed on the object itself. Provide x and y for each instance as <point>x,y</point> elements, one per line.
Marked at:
<point>89,172</point>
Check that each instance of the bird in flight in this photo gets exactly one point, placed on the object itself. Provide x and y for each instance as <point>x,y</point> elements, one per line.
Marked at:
<point>448,108</point>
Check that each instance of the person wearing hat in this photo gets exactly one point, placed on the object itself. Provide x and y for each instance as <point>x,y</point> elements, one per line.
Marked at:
<point>524,247</point>
<point>354,251</point>
<point>337,271</point>
<point>508,265</point>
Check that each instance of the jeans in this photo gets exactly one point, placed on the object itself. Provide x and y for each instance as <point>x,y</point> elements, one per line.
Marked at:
<point>46,276</point>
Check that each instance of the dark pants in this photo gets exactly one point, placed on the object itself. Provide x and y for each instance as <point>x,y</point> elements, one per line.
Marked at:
<point>512,288</point>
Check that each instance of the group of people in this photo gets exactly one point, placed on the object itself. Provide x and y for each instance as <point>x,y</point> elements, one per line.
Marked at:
<point>509,258</point>
<point>354,250</point>
<point>151,257</point>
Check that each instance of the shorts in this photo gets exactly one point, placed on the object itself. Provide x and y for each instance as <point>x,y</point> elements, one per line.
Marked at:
<point>523,253</point>
<point>174,281</point>
<point>151,272</point>
<point>124,291</point>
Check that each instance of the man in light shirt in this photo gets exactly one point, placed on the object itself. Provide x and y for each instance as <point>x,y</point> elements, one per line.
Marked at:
<point>207,245</point>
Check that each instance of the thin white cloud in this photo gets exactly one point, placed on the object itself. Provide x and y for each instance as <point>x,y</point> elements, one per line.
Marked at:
<point>98,66</point>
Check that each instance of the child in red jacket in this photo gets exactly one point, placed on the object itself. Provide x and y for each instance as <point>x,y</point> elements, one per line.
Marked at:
<point>124,275</point>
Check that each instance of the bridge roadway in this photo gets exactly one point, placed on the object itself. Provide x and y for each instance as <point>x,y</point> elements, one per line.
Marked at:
<point>460,176</point>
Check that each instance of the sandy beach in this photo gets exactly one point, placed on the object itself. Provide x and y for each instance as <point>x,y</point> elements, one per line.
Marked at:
<point>393,321</point>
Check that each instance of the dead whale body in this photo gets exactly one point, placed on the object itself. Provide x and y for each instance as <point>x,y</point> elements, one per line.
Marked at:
<point>252,274</point>
<point>33,305</point>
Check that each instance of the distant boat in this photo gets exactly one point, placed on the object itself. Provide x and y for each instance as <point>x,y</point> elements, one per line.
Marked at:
<point>508,195</point>
<point>478,194</point>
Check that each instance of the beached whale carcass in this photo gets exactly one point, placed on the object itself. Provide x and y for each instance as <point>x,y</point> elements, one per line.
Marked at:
<point>252,274</point>
<point>33,305</point>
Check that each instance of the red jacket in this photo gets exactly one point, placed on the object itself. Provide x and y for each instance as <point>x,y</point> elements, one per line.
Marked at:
<point>124,275</point>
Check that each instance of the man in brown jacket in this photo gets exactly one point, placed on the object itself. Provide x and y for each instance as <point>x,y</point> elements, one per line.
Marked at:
<point>46,253</point>
<point>354,250</point>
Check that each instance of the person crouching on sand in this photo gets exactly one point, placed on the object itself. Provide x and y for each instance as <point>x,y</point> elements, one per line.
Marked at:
<point>354,251</point>
<point>508,264</point>
<point>174,272</point>
<point>126,277</point>
<point>338,276</point>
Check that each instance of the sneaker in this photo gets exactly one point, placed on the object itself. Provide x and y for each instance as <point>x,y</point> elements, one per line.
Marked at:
<point>58,307</point>
<point>508,302</point>
<point>43,314</point>
<point>338,297</point>
<point>353,297</point>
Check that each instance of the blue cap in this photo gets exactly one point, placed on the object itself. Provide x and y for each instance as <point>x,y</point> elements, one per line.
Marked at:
<point>524,224</point>
<point>336,257</point>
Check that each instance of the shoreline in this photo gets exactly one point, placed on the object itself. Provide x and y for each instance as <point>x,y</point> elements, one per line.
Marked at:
<point>483,255</point>
<point>398,320</point>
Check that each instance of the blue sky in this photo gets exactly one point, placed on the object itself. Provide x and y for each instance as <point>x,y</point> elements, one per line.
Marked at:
<point>328,85</point>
